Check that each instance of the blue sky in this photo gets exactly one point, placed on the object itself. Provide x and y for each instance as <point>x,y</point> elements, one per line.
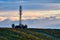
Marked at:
<point>30,4</point>
<point>46,12</point>
<point>44,1</point>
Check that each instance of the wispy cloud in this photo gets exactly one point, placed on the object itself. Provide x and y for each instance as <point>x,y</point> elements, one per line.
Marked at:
<point>30,14</point>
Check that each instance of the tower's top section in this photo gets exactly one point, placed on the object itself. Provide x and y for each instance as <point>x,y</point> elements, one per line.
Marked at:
<point>20,6</point>
<point>20,9</point>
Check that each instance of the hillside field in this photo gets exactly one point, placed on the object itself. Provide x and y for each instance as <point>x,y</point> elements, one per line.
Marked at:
<point>29,34</point>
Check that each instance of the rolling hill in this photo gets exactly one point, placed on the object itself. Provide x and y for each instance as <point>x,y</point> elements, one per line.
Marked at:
<point>29,34</point>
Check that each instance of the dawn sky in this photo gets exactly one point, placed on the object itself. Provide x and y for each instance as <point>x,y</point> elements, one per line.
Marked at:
<point>32,9</point>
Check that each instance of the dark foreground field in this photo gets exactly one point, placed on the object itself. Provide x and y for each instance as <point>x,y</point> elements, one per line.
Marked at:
<point>29,34</point>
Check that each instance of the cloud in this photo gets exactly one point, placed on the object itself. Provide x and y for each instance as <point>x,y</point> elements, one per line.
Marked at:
<point>30,5</point>
<point>33,18</point>
<point>41,6</point>
<point>30,14</point>
<point>2,18</point>
<point>35,23</point>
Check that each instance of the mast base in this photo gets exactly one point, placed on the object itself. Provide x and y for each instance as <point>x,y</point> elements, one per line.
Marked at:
<point>19,26</point>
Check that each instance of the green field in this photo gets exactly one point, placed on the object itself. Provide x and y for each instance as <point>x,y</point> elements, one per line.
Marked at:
<point>29,34</point>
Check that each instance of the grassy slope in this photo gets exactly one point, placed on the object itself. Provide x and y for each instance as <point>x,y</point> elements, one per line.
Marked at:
<point>28,34</point>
